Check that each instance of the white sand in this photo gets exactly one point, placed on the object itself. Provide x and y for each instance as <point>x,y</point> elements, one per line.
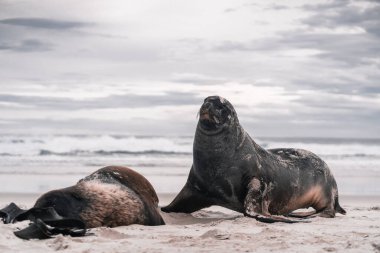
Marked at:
<point>216,230</point>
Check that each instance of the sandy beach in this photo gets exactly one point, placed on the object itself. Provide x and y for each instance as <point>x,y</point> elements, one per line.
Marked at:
<point>215,229</point>
<point>238,98</point>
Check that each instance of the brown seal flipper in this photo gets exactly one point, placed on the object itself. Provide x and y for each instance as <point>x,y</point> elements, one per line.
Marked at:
<point>10,212</point>
<point>187,201</point>
<point>46,222</point>
<point>40,229</point>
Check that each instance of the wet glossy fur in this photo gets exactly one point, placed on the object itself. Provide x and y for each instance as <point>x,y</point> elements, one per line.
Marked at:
<point>231,170</point>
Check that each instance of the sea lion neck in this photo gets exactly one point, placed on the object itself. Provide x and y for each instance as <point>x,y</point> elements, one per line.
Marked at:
<point>228,139</point>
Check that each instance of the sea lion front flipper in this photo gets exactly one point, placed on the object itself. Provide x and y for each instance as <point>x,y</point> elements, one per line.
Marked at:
<point>46,229</point>
<point>35,230</point>
<point>10,212</point>
<point>46,222</point>
<point>187,201</point>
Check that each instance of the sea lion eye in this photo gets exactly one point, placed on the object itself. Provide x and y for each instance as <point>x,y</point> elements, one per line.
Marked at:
<point>226,112</point>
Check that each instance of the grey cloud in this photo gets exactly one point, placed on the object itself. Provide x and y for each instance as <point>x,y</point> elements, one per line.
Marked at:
<point>115,101</point>
<point>345,15</point>
<point>333,106</point>
<point>274,6</point>
<point>300,127</point>
<point>313,114</point>
<point>44,23</point>
<point>348,49</point>
<point>234,46</point>
<point>139,126</point>
<point>340,84</point>
<point>325,6</point>
<point>375,89</point>
<point>196,78</point>
<point>229,10</point>
<point>278,7</point>
<point>30,45</point>
<point>14,40</point>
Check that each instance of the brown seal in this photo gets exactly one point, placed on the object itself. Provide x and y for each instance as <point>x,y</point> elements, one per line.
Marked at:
<point>229,169</point>
<point>111,196</point>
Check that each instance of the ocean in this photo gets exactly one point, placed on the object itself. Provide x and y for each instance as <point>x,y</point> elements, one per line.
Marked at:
<point>38,163</point>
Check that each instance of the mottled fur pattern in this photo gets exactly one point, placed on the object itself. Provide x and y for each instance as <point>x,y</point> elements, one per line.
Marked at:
<point>110,205</point>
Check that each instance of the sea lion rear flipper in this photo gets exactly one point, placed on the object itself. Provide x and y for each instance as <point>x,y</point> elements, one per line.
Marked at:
<point>273,218</point>
<point>10,212</point>
<point>187,201</point>
<point>254,209</point>
<point>337,206</point>
<point>310,214</point>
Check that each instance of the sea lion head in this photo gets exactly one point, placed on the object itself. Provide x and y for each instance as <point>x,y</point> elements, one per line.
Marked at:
<point>216,114</point>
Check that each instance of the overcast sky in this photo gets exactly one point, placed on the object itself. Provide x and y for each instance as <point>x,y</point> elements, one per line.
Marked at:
<point>290,68</point>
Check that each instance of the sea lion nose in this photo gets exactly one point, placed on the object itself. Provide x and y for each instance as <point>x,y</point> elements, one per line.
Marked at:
<point>206,107</point>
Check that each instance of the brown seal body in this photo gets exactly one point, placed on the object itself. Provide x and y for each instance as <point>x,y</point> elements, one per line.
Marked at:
<point>229,169</point>
<point>111,196</point>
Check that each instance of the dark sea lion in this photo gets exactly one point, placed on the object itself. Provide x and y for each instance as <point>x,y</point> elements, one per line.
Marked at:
<point>230,170</point>
<point>112,196</point>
